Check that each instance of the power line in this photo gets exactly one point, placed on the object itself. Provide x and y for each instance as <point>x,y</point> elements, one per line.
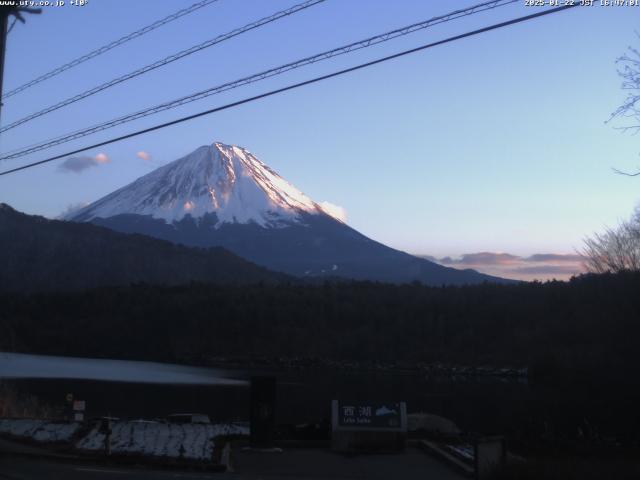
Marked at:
<point>109,46</point>
<point>295,86</point>
<point>165,61</point>
<point>256,77</point>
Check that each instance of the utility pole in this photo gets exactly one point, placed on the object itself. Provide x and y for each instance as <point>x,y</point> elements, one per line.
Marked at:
<point>4,22</point>
<point>5,12</point>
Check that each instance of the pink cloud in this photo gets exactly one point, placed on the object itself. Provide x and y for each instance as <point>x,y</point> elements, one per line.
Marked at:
<point>539,266</point>
<point>483,258</point>
<point>102,158</point>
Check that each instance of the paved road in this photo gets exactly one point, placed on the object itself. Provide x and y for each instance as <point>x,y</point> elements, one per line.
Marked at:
<point>292,464</point>
<point>319,464</point>
<point>19,468</point>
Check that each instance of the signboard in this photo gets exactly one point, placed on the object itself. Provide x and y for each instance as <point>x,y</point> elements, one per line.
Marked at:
<point>78,417</point>
<point>368,426</point>
<point>383,415</point>
<point>79,406</point>
<point>69,397</point>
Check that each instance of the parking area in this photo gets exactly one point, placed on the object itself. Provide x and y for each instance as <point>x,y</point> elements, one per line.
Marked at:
<point>320,464</point>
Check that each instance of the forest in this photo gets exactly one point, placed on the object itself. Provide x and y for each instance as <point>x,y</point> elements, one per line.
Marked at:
<point>576,331</point>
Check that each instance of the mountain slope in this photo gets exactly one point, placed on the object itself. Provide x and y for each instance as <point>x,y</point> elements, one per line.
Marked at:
<point>226,180</point>
<point>38,254</point>
<point>222,195</point>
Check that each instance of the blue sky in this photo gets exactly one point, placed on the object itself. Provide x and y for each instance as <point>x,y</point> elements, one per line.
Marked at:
<point>492,143</point>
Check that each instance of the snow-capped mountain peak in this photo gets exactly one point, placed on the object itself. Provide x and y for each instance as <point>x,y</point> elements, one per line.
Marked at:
<point>223,196</point>
<point>222,179</point>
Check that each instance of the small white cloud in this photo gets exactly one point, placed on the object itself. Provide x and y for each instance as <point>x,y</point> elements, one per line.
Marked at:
<point>71,209</point>
<point>142,155</point>
<point>80,164</point>
<point>102,158</point>
<point>336,211</point>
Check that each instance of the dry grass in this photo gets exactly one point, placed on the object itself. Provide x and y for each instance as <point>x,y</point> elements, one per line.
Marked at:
<point>14,404</point>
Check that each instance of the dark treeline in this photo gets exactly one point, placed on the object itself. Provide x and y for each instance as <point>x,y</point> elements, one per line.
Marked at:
<point>576,330</point>
<point>41,255</point>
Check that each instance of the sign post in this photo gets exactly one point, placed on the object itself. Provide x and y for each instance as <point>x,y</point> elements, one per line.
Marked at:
<point>105,429</point>
<point>68,408</point>
<point>490,456</point>
<point>368,426</point>
<point>263,412</point>
<point>79,406</point>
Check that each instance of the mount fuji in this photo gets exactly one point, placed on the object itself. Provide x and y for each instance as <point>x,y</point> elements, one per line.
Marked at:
<point>222,195</point>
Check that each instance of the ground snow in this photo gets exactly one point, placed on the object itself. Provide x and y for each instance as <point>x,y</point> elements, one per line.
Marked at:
<point>154,439</point>
<point>39,430</point>
<point>465,451</point>
<point>189,441</point>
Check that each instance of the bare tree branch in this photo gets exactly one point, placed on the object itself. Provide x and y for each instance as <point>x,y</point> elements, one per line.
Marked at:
<point>615,250</point>
<point>628,66</point>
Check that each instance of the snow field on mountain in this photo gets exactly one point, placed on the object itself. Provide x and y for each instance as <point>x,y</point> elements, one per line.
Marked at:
<point>222,179</point>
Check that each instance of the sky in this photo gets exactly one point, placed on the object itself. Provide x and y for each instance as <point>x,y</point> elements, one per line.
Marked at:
<point>495,144</point>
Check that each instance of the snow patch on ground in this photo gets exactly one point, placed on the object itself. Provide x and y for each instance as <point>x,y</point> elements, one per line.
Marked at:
<point>189,441</point>
<point>39,430</point>
<point>464,451</point>
<point>151,439</point>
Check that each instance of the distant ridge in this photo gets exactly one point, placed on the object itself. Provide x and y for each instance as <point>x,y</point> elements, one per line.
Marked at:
<point>37,254</point>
